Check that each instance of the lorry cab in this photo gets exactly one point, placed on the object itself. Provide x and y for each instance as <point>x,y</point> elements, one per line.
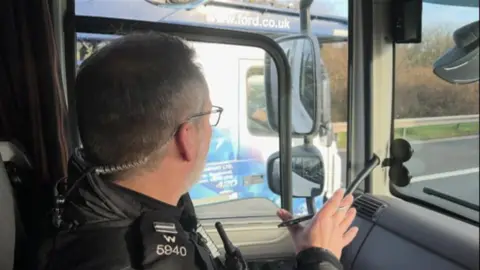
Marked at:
<point>406,220</point>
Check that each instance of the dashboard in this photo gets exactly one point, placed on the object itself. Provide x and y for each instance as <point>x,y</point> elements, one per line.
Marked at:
<point>398,235</point>
<point>393,234</point>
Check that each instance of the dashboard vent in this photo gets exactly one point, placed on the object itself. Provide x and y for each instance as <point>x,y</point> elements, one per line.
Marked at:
<point>369,207</point>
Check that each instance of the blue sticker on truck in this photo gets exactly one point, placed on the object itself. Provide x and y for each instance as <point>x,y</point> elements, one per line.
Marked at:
<point>241,174</point>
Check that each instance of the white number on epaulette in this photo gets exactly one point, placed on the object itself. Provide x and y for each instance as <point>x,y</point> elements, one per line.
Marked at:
<point>169,250</point>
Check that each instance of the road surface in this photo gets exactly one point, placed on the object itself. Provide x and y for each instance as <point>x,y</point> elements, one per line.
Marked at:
<point>450,166</point>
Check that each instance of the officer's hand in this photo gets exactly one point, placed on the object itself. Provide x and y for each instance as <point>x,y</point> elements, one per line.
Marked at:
<point>328,229</point>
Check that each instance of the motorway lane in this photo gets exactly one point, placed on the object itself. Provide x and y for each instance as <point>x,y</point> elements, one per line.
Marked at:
<point>444,156</point>
<point>445,165</point>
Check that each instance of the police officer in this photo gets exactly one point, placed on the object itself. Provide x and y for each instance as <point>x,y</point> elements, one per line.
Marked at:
<point>145,118</point>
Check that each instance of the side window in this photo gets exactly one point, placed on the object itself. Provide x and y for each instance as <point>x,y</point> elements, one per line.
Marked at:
<point>307,79</point>
<point>288,53</point>
<point>87,46</point>
<point>288,49</point>
<point>257,120</point>
<point>439,119</point>
<point>335,78</point>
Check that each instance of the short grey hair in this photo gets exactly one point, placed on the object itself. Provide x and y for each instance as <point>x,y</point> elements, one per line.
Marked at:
<point>132,95</point>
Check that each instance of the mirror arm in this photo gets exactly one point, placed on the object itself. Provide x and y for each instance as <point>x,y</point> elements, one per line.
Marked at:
<point>310,201</point>
<point>305,25</point>
<point>308,139</point>
<point>310,205</point>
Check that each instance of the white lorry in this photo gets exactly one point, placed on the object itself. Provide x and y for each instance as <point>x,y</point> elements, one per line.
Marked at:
<point>243,140</point>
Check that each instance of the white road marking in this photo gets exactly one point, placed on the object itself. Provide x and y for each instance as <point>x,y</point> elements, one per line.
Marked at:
<point>444,175</point>
<point>461,138</point>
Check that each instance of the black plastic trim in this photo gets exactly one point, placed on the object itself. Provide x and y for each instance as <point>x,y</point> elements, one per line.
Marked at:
<point>71,70</point>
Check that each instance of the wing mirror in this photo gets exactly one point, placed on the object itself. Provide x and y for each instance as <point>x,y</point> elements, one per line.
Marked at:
<point>459,65</point>
<point>303,54</point>
<point>307,172</point>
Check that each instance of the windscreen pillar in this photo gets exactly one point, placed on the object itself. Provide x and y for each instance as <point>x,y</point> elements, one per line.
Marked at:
<point>370,87</point>
<point>360,26</point>
<point>381,99</point>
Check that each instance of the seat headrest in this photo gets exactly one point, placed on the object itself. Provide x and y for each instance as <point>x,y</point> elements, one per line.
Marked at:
<point>12,152</point>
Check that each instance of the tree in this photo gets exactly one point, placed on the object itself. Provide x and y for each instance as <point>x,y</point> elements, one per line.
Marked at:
<point>418,91</point>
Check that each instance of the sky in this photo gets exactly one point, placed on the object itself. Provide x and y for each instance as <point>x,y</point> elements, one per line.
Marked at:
<point>447,16</point>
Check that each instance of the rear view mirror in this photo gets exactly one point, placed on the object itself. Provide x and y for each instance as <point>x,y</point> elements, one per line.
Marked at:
<point>307,172</point>
<point>459,65</point>
<point>303,54</point>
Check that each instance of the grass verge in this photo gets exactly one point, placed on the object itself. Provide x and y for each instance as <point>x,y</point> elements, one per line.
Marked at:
<point>423,133</point>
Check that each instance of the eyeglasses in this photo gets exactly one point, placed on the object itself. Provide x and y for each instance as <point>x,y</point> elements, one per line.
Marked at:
<point>214,114</point>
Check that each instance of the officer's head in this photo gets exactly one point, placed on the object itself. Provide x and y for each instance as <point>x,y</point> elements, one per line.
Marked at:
<point>142,98</point>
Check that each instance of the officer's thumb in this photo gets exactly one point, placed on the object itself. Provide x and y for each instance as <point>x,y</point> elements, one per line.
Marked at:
<point>284,215</point>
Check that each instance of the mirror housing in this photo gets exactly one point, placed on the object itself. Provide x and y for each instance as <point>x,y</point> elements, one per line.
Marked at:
<point>459,65</point>
<point>307,172</point>
<point>303,54</point>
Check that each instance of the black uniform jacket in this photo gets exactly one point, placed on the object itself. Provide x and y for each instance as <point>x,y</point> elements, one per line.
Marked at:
<point>114,228</point>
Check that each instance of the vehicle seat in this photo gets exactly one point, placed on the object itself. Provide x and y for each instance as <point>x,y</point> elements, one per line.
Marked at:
<point>8,220</point>
<point>13,240</point>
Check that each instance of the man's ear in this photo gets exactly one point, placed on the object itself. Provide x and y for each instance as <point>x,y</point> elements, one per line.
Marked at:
<point>185,140</point>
